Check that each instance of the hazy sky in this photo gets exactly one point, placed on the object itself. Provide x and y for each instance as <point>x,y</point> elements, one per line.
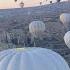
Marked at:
<point>11,3</point>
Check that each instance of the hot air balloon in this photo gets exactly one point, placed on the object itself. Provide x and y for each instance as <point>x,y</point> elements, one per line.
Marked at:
<point>58,0</point>
<point>21,4</point>
<point>15,0</point>
<point>67,39</point>
<point>31,59</point>
<point>65,19</point>
<point>50,1</point>
<point>36,28</point>
<point>40,3</point>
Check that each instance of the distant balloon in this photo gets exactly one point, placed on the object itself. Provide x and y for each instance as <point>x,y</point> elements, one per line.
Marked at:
<point>15,0</point>
<point>36,28</point>
<point>67,39</point>
<point>65,19</point>
<point>50,1</point>
<point>40,3</point>
<point>58,0</point>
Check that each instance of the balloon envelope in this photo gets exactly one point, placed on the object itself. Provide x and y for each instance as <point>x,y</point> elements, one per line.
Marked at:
<point>67,39</point>
<point>36,28</point>
<point>15,0</point>
<point>65,19</point>
<point>31,59</point>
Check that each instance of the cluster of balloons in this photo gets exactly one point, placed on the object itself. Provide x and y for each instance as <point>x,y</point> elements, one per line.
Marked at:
<point>36,28</point>
<point>35,58</point>
<point>65,19</point>
<point>15,0</point>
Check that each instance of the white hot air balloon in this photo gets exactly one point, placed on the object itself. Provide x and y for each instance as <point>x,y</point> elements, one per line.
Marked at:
<point>36,28</point>
<point>67,39</point>
<point>65,19</point>
<point>31,59</point>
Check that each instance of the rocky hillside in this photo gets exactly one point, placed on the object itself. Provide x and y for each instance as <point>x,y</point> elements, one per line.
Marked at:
<point>21,18</point>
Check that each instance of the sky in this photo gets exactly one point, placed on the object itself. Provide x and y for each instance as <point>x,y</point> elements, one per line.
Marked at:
<point>28,3</point>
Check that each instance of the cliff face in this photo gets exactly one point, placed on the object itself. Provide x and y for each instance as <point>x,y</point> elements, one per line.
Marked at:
<point>49,14</point>
<point>21,18</point>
